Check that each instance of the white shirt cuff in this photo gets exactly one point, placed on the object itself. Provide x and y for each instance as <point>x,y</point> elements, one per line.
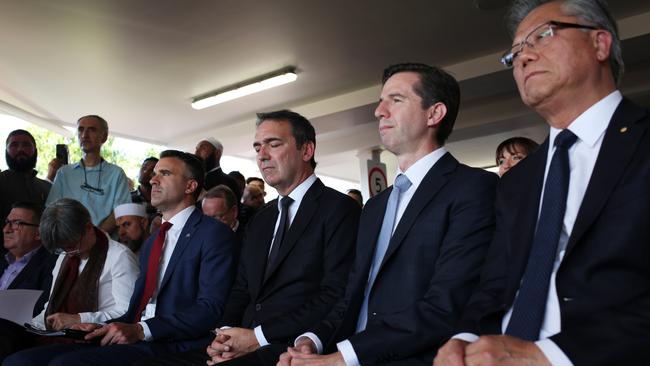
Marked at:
<point>349,356</point>
<point>260,336</point>
<point>467,337</point>
<point>553,353</point>
<point>148,337</point>
<point>314,338</point>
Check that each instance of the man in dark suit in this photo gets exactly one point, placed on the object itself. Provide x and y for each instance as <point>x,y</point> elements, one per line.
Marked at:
<point>184,280</point>
<point>567,279</point>
<point>295,259</point>
<point>414,269</point>
<point>26,265</point>
<point>210,151</point>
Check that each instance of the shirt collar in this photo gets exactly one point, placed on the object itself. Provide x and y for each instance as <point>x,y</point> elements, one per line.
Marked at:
<point>179,220</point>
<point>11,259</point>
<point>416,172</point>
<point>593,122</point>
<point>299,192</point>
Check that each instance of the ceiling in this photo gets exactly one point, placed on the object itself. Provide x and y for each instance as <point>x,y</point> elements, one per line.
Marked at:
<point>140,63</point>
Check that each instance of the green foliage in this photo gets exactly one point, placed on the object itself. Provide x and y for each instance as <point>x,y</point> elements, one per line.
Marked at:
<point>46,141</point>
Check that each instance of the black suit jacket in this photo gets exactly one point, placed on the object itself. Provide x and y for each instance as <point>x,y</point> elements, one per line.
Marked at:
<point>216,177</point>
<point>37,275</point>
<point>603,282</point>
<point>428,272</point>
<point>309,274</point>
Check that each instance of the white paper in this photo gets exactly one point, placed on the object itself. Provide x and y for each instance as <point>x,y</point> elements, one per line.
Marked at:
<point>18,305</point>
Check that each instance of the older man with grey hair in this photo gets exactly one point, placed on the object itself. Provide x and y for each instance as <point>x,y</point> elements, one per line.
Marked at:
<point>567,280</point>
<point>96,183</point>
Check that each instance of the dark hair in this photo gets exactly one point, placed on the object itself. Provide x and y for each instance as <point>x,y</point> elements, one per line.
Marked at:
<point>35,208</point>
<point>357,193</point>
<point>20,133</point>
<point>435,86</point>
<point>301,128</point>
<point>102,121</point>
<point>251,179</point>
<point>592,12</point>
<point>510,145</point>
<point>63,223</point>
<point>222,191</point>
<point>151,158</point>
<point>193,166</point>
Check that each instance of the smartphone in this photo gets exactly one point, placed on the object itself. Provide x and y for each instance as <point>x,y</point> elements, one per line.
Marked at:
<point>62,153</point>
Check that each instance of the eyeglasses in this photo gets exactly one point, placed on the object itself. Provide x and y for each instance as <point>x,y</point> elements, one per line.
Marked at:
<point>17,224</point>
<point>68,253</point>
<point>87,187</point>
<point>538,37</point>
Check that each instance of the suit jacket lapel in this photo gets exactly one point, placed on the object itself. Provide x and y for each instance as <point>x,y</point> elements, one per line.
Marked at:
<point>307,209</point>
<point>619,144</point>
<point>525,220</point>
<point>433,181</point>
<point>181,244</point>
<point>261,238</point>
<point>29,270</point>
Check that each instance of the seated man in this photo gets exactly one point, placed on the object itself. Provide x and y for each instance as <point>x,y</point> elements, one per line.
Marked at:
<point>220,203</point>
<point>184,280</point>
<point>132,225</point>
<point>26,265</point>
<point>93,276</point>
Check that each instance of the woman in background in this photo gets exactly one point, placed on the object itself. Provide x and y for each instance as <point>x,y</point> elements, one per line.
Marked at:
<point>513,150</point>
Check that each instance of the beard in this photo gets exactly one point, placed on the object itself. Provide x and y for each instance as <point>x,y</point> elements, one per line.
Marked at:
<point>21,163</point>
<point>209,162</point>
<point>134,245</point>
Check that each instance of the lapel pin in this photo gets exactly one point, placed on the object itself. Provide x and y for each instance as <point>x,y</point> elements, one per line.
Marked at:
<point>623,129</point>
<point>187,235</point>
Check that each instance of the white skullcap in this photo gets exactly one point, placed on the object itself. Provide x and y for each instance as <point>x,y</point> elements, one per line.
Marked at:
<point>214,142</point>
<point>130,209</point>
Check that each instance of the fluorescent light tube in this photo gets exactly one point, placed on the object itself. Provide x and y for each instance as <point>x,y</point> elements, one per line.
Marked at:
<point>254,87</point>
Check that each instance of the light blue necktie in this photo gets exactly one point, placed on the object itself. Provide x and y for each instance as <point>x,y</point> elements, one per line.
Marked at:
<point>402,183</point>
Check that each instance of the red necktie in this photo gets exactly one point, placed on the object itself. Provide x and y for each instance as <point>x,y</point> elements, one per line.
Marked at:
<point>152,269</point>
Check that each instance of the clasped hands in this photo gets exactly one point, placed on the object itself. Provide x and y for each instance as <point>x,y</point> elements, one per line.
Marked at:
<point>490,350</point>
<point>230,343</point>
<point>305,353</point>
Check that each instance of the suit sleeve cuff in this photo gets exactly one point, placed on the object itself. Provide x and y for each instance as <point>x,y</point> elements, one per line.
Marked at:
<point>260,336</point>
<point>553,353</point>
<point>349,356</point>
<point>314,338</point>
<point>148,337</point>
<point>467,337</point>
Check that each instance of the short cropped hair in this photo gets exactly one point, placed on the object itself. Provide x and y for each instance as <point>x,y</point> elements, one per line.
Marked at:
<point>591,12</point>
<point>63,223</point>
<point>20,132</point>
<point>222,191</point>
<point>301,129</point>
<point>151,158</point>
<point>193,167</point>
<point>33,207</point>
<point>435,86</point>
<point>102,122</point>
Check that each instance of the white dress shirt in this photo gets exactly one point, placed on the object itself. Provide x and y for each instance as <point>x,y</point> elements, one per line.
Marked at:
<point>115,285</point>
<point>297,194</point>
<point>590,128</point>
<point>415,173</point>
<point>171,238</point>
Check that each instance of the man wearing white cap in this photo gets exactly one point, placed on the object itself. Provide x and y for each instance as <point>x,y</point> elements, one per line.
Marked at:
<point>132,224</point>
<point>210,151</point>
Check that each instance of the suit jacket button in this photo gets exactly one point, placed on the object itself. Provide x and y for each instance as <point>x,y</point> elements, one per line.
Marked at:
<point>258,307</point>
<point>374,314</point>
<point>567,299</point>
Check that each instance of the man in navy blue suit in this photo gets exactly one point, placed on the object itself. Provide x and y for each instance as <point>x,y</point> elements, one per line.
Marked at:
<point>184,280</point>
<point>415,268</point>
<point>567,279</point>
